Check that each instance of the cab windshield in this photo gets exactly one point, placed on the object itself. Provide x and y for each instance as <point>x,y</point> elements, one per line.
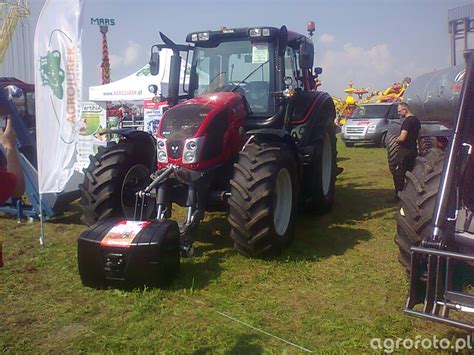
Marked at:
<point>239,66</point>
<point>371,111</point>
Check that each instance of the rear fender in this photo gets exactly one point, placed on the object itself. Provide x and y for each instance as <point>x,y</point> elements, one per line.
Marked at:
<point>274,135</point>
<point>310,117</point>
<point>444,133</point>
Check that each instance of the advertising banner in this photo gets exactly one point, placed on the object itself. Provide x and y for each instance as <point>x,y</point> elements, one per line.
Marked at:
<point>58,85</point>
<point>93,123</point>
<point>152,112</point>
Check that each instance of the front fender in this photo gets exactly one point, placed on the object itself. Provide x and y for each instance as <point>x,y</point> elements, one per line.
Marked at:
<point>144,144</point>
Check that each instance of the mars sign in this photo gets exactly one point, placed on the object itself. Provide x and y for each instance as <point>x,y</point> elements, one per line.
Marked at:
<point>102,21</point>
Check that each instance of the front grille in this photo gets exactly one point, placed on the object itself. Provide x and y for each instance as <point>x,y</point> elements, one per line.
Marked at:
<point>355,130</point>
<point>175,149</point>
<point>181,122</point>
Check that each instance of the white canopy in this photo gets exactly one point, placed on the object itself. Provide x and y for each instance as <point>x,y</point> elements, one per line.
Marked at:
<point>135,86</point>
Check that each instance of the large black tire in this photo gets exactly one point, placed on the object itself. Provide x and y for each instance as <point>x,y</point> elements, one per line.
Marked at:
<point>320,177</point>
<point>104,194</point>
<point>349,144</point>
<point>263,172</point>
<point>383,140</point>
<point>417,203</point>
<point>392,147</point>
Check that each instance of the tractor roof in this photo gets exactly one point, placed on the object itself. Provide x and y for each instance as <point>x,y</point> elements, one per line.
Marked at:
<point>211,38</point>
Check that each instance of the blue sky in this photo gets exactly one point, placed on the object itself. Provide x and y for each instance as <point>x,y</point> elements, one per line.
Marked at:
<point>372,43</point>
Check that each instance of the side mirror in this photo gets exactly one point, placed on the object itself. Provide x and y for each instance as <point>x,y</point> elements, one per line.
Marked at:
<point>13,91</point>
<point>154,60</point>
<point>282,40</point>
<point>306,57</point>
<point>318,70</point>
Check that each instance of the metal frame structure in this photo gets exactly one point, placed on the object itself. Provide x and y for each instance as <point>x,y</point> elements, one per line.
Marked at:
<point>461,23</point>
<point>434,286</point>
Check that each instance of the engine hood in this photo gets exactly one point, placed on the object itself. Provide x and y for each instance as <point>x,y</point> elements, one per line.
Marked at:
<point>215,100</point>
<point>214,122</point>
<point>185,119</point>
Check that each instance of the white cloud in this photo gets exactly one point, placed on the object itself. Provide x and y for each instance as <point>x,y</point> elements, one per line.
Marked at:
<point>115,60</point>
<point>128,60</point>
<point>326,38</point>
<point>133,53</point>
<point>374,67</point>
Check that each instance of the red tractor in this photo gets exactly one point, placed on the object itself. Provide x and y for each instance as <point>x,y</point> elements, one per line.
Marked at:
<point>252,136</point>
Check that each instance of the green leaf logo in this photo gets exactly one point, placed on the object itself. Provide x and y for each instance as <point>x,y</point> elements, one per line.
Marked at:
<point>51,73</point>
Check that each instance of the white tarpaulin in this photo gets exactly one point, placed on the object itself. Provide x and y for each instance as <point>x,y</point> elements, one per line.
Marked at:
<point>58,80</point>
<point>135,87</point>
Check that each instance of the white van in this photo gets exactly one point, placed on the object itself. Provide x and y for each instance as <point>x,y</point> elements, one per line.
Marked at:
<point>369,124</point>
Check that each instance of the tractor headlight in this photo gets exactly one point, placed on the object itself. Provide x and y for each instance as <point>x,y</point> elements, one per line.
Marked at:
<point>191,145</point>
<point>371,129</point>
<point>161,152</point>
<point>189,156</point>
<point>255,32</point>
<point>203,36</point>
<point>192,150</point>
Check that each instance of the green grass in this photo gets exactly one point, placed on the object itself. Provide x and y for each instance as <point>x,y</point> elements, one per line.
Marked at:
<point>335,288</point>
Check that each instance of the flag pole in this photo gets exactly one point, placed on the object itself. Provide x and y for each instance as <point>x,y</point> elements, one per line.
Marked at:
<point>41,239</point>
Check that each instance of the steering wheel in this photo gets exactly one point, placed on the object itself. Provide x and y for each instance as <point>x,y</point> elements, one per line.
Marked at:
<point>257,93</point>
<point>232,87</point>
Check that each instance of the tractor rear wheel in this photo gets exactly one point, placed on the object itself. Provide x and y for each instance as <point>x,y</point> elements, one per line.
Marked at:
<point>320,176</point>
<point>111,180</point>
<point>392,147</point>
<point>263,201</point>
<point>383,140</point>
<point>417,203</point>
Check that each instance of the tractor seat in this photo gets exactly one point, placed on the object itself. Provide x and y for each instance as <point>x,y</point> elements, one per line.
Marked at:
<point>464,230</point>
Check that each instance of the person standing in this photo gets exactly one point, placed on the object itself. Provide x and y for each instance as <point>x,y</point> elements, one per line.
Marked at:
<point>12,182</point>
<point>407,145</point>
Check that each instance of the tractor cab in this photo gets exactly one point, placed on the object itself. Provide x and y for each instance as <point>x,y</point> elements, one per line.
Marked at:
<point>263,64</point>
<point>248,61</point>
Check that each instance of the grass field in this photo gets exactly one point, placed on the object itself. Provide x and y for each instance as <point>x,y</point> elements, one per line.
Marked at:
<point>335,288</point>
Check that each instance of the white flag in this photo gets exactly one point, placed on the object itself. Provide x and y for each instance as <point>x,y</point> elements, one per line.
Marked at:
<point>58,86</point>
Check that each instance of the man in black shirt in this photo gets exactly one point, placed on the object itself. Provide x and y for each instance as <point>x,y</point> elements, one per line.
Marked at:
<point>407,144</point>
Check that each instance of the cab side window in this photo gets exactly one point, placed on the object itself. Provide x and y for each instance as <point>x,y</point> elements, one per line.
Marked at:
<point>291,67</point>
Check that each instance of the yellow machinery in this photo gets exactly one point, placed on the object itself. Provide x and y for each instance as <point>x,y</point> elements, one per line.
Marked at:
<point>10,13</point>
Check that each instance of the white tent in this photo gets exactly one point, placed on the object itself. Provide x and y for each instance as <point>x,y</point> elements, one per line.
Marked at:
<point>135,87</point>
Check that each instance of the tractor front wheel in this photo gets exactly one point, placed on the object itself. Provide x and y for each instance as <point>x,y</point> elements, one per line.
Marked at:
<point>111,180</point>
<point>263,201</point>
<point>417,203</point>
